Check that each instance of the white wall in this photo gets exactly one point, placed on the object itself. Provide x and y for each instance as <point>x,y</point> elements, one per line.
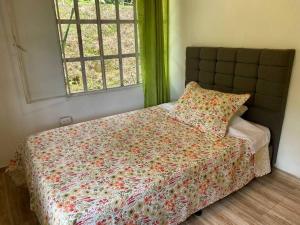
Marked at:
<point>18,119</point>
<point>242,23</point>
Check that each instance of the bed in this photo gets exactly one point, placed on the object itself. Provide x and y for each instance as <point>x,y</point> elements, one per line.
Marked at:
<point>144,166</point>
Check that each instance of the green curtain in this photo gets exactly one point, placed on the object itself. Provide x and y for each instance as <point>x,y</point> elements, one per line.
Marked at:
<point>153,26</point>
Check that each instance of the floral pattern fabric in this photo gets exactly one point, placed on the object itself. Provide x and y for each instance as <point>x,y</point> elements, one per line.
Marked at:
<point>208,110</point>
<point>140,167</point>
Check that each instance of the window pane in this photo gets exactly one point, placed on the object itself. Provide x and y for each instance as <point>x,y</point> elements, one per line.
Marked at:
<point>110,40</point>
<point>108,10</point>
<point>112,73</point>
<point>126,10</point>
<point>93,75</point>
<point>129,71</point>
<point>75,77</point>
<point>87,9</point>
<point>127,37</point>
<point>70,40</point>
<point>66,9</point>
<point>90,40</point>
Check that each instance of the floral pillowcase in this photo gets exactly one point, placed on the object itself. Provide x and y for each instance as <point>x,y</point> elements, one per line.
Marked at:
<point>208,110</point>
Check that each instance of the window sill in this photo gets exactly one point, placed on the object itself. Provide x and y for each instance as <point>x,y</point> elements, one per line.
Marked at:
<point>104,90</point>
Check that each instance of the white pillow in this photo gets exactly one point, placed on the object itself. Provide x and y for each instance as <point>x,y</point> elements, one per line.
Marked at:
<point>257,135</point>
<point>170,106</point>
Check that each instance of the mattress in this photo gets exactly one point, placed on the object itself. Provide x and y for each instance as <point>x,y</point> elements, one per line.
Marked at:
<point>140,167</point>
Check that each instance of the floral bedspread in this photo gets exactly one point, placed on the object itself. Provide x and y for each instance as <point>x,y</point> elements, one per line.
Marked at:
<point>141,167</point>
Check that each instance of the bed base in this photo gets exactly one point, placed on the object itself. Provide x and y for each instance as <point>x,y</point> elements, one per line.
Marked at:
<point>198,213</point>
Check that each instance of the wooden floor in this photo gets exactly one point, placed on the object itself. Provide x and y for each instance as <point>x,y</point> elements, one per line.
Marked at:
<point>271,200</point>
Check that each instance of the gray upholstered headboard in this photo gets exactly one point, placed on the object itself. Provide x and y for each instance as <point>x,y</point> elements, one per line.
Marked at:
<point>264,73</point>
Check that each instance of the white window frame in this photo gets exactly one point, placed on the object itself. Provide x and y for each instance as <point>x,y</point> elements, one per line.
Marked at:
<point>102,57</point>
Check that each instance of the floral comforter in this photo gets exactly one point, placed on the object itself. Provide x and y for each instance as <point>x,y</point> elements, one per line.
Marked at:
<point>141,167</point>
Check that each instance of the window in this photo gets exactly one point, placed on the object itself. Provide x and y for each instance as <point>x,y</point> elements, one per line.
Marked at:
<point>99,44</point>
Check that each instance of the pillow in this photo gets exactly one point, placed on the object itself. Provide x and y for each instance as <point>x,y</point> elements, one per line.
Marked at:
<point>257,135</point>
<point>170,106</point>
<point>241,110</point>
<point>208,110</point>
<point>239,113</point>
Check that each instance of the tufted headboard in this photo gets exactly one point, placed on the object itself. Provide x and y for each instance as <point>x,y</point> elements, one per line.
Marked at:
<point>264,73</point>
